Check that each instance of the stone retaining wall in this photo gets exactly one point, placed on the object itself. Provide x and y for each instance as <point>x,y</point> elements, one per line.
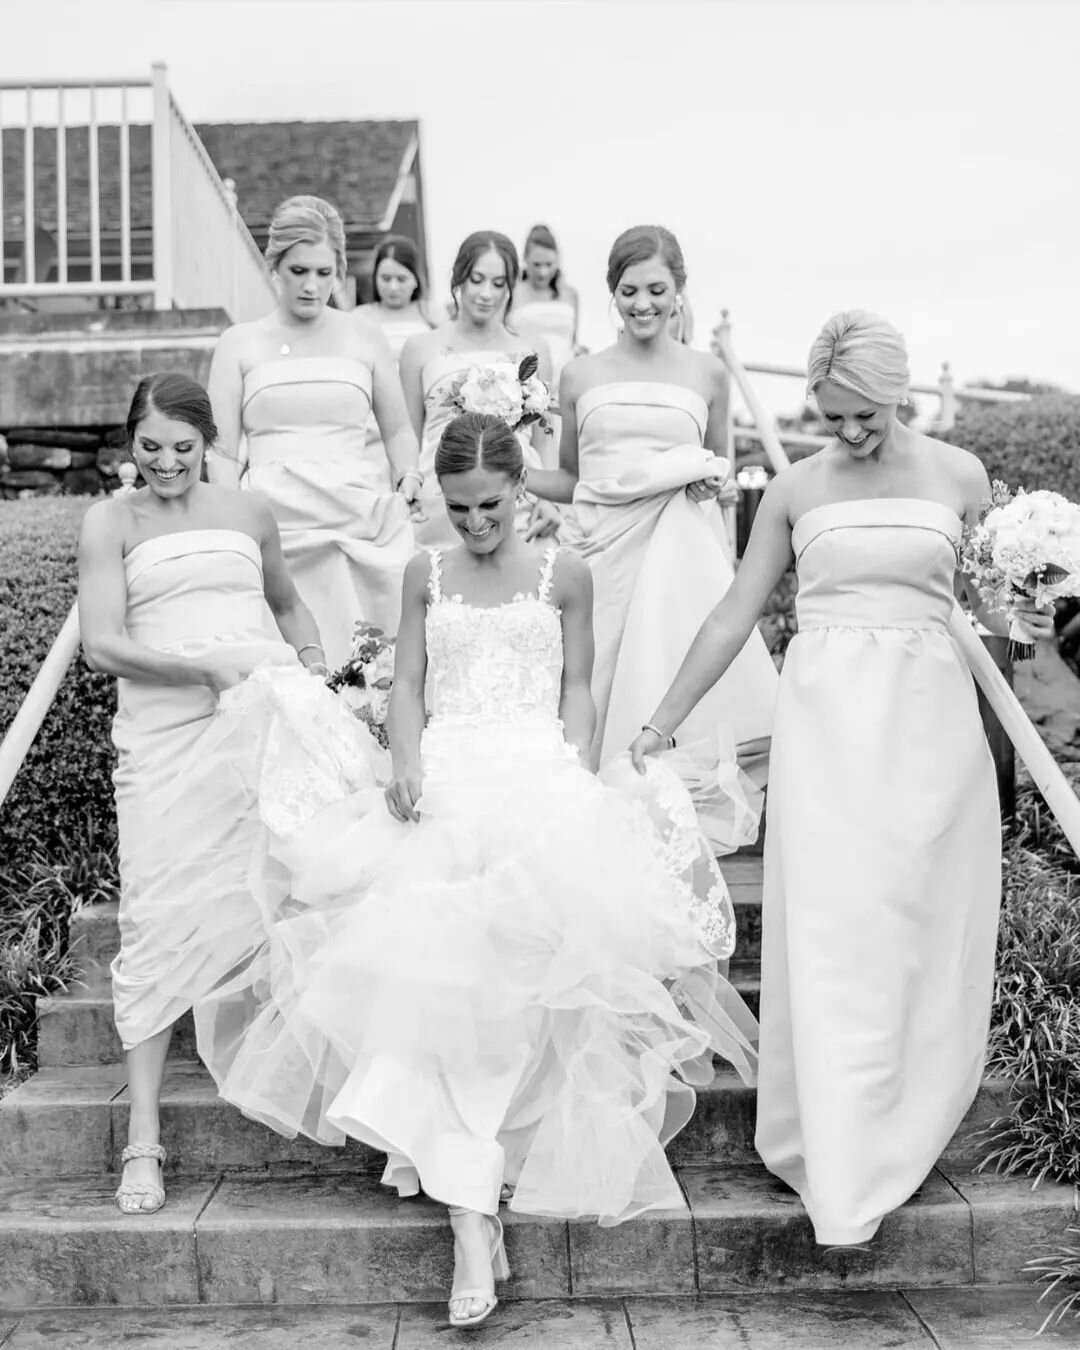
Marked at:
<point>45,461</point>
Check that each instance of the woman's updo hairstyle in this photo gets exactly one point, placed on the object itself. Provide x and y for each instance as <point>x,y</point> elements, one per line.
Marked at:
<point>862,352</point>
<point>542,237</point>
<point>478,441</point>
<point>175,396</point>
<point>472,249</point>
<point>642,243</point>
<point>307,220</point>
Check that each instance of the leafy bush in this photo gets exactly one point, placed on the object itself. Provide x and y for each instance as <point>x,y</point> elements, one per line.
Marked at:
<point>66,777</point>
<point>38,899</point>
<point>1035,444</point>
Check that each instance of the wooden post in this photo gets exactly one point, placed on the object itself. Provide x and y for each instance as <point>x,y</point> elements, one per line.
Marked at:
<point>161,171</point>
<point>947,417</point>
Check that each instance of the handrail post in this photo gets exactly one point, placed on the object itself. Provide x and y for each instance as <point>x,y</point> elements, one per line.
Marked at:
<point>947,389</point>
<point>161,170</point>
<point>767,431</point>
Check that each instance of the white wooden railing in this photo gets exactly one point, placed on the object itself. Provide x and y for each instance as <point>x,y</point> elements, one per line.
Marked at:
<point>1045,772</point>
<point>26,723</point>
<point>190,249</point>
<point>946,390</point>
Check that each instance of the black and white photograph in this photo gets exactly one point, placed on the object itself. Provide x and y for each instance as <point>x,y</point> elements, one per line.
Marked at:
<point>540,729</point>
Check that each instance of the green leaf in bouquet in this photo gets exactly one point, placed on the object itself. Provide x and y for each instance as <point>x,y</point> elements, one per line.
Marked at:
<point>529,366</point>
<point>1051,574</point>
<point>384,682</point>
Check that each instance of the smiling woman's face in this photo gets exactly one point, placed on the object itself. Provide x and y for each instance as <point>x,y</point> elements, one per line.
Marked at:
<point>858,424</point>
<point>168,454</point>
<point>645,297</point>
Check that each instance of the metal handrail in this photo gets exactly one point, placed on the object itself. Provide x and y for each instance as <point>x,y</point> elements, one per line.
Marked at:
<point>34,708</point>
<point>1044,769</point>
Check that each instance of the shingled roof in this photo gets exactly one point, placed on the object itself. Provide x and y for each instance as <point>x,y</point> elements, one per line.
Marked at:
<point>356,165</point>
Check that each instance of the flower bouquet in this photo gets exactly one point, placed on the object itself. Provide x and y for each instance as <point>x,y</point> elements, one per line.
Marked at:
<point>507,389</point>
<point>1026,546</point>
<point>365,680</point>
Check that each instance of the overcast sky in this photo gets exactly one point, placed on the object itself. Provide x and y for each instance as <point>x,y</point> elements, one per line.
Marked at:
<point>918,157</point>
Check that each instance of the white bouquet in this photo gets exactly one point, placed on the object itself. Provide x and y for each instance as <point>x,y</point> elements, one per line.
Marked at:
<point>507,389</point>
<point>1026,546</point>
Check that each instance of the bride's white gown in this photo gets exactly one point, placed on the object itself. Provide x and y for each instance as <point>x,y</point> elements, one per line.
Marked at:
<point>523,985</point>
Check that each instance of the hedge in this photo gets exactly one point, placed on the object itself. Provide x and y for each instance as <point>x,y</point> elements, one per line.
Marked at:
<point>1034,444</point>
<point>64,787</point>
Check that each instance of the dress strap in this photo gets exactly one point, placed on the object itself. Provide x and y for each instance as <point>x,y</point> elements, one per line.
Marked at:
<point>543,588</point>
<point>435,580</point>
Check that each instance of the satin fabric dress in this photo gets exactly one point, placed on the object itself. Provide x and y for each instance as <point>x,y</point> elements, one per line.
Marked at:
<point>397,330</point>
<point>346,537</point>
<point>882,870</point>
<point>186,830</point>
<point>659,564</point>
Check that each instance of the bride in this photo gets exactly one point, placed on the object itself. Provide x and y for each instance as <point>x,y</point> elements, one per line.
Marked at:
<point>510,978</point>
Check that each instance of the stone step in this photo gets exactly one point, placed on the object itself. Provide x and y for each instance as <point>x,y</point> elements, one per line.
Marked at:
<point>971,1318</point>
<point>96,937</point>
<point>343,1238</point>
<point>77,1028</point>
<point>73,1122</point>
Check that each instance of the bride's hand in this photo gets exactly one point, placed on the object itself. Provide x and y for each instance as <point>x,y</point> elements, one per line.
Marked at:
<point>403,794</point>
<point>705,489</point>
<point>646,742</point>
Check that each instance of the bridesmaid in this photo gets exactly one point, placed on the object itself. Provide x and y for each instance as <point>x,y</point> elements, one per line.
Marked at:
<point>177,584</point>
<point>400,310</point>
<point>644,433</point>
<point>547,308</point>
<point>882,856</point>
<point>300,385</point>
<point>482,286</point>
<point>400,307</point>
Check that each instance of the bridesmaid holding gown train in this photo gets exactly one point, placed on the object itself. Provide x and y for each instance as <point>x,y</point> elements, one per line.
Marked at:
<point>882,853</point>
<point>644,432</point>
<point>482,286</point>
<point>299,386</point>
<point>183,591</point>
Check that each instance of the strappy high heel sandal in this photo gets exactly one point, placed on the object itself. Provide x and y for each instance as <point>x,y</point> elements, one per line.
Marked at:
<point>131,1194</point>
<point>500,1270</point>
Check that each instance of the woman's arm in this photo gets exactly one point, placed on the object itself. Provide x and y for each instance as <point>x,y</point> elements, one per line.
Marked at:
<point>574,596</point>
<point>557,485</point>
<point>103,608</point>
<point>293,618</point>
<point>406,714</point>
<point>721,637</point>
<point>410,371</point>
<point>226,389</point>
<point>395,426</point>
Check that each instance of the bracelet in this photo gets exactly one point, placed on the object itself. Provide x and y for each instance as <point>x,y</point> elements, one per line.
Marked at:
<point>310,647</point>
<point>409,473</point>
<point>648,726</point>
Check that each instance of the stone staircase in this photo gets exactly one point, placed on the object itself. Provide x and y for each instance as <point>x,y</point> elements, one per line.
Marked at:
<point>252,1218</point>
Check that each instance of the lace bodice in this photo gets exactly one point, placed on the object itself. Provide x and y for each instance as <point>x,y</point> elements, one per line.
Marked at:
<point>496,664</point>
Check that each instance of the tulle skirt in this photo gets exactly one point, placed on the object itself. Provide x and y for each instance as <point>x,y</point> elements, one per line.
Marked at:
<point>523,987</point>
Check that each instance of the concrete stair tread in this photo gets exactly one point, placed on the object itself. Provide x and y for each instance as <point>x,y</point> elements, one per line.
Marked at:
<point>345,1238</point>
<point>901,1319</point>
<point>71,1121</point>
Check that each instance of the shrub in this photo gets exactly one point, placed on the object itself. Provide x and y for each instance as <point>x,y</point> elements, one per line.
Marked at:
<point>38,899</point>
<point>66,777</point>
<point>1035,444</point>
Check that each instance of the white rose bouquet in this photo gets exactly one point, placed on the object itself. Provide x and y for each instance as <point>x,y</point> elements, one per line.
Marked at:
<point>507,389</point>
<point>1026,546</point>
<point>365,680</point>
